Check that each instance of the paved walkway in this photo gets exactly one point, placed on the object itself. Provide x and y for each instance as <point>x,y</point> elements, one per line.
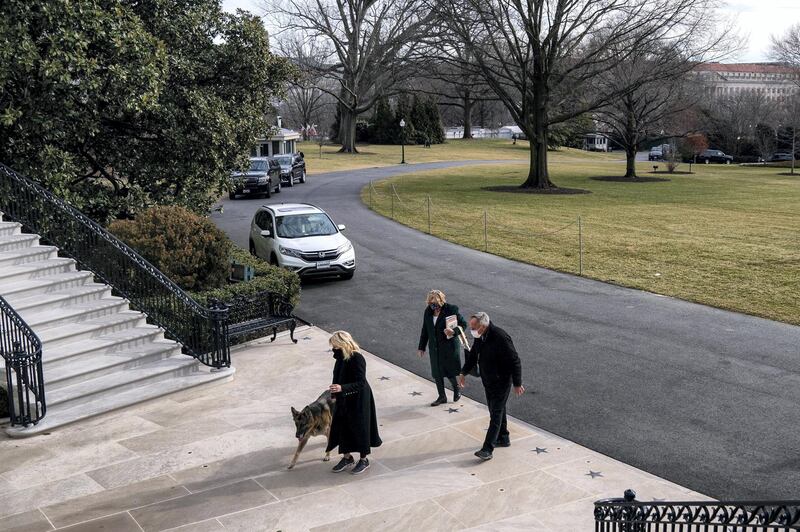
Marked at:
<point>215,458</point>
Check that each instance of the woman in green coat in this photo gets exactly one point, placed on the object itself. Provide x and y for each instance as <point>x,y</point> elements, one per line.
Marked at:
<point>443,343</point>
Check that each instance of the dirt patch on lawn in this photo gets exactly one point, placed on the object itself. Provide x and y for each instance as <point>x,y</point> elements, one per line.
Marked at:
<point>515,189</point>
<point>621,179</point>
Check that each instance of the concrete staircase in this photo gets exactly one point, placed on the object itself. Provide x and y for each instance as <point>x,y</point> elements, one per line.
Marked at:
<point>98,354</point>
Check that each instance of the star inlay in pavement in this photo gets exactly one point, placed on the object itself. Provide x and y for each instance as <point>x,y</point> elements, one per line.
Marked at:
<point>539,450</point>
<point>306,338</point>
<point>414,394</point>
<point>452,410</point>
<point>384,379</point>
<point>594,474</point>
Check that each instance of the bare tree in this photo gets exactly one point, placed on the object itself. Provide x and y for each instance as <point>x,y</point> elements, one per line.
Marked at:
<point>539,56</point>
<point>366,43</point>
<point>654,89</point>
<point>306,103</point>
<point>735,120</point>
<point>786,48</point>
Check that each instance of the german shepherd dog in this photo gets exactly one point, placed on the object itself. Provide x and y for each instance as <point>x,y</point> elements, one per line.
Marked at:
<point>314,420</point>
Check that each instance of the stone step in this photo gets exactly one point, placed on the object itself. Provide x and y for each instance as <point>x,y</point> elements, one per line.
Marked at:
<point>88,367</point>
<point>43,319</point>
<point>20,241</point>
<point>34,270</point>
<point>55,337</point>
<point>10,228</point>
<point>25,255</point>
<point>109,401</point>
<point>54,356</point>
<point>63,298</point>
<point>45,285</point>
<point>152,372</point>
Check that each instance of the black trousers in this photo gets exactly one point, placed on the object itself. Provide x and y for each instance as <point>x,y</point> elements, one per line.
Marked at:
<point>496,398</point>
<point>440,386</point>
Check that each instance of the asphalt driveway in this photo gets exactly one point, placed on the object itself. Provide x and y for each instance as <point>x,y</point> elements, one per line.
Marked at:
<point>703,397</point>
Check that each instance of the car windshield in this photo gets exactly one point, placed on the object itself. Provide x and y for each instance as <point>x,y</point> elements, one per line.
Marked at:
<point>303,225</point>
<point>284,160</point>
<point>258,166</point>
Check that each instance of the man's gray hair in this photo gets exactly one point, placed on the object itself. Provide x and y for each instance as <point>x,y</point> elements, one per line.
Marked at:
<point>482,317</point>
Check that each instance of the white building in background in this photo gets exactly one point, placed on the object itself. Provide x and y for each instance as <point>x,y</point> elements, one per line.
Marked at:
<point>507,132</point>
<point>279,142</point>
<point>596,142</point>
<point>773,80</point>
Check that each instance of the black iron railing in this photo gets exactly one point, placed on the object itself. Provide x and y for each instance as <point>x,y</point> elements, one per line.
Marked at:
<point>629,515</point>
<point>21,351</point>
<point>202,331</point>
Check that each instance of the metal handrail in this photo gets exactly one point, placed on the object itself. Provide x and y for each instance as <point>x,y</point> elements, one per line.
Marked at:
<point>201,330</point>
<point>22,351</point>
<point>629,515</point>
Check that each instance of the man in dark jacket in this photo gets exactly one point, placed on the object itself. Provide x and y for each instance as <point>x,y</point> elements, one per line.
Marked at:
<point>494,353</point>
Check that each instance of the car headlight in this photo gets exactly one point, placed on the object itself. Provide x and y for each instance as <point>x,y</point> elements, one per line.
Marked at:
<point>263,180</point>
<point>289,252</point>
<point>344,248</point>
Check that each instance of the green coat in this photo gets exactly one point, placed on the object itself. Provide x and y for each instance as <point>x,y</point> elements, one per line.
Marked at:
<point>444,353</point>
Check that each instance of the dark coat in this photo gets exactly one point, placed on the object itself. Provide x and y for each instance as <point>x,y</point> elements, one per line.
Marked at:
<point>354,428</point>
<point>444,353</point>
<point>497,357</point>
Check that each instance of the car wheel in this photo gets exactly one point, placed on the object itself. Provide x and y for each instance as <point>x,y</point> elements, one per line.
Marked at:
<point>231,195</point>
<point>268,193</point>
<point>347,276</point>
<point>273,260</point>
<point>252,247</point>
<point>303,177</point>
<point>278,188</point>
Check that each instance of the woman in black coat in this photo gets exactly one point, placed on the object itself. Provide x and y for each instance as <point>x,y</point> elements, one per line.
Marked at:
<point>354,428</point>
<point>444,346</point>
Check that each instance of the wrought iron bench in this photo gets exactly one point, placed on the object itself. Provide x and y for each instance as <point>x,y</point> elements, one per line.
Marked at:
<point>250,315</point>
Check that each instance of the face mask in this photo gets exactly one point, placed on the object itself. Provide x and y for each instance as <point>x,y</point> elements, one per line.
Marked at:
<point>475,333</point>
<point>434,306</point>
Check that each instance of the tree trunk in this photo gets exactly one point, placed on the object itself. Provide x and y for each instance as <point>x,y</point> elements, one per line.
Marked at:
<point>347,131</point>
<point>467,116</point>
<point>630,162</point>
<point>537,132</point>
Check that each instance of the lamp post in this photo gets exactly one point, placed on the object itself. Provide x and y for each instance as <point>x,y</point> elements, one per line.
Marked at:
<point>403,140</point>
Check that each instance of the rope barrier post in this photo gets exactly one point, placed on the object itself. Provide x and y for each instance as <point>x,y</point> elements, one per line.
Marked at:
<point>370,194</point>
<point>429,215</point>
<point>393,193</point>
<point>580,247</point>
<point>485,232</point>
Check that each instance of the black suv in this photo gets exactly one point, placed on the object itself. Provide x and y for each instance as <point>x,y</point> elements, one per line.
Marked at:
<point>714,156</point>
<point>293,168</point>
<point>263,176</point>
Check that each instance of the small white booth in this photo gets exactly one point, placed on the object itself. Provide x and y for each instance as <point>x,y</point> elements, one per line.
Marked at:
<point>282,141</point>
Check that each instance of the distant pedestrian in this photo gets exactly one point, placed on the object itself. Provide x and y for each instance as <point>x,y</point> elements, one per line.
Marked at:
<point>514,138</point>
<point>354,428</point>
<point>500,367</point>
<point>442,325</point>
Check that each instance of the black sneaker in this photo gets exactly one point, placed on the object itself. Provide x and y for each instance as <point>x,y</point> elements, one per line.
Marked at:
<point>483,455</point>
<point>503,443</point>
<point>439,401</point>
<point>361,466</point>
<point>456,396</point>
<point>343,464</point>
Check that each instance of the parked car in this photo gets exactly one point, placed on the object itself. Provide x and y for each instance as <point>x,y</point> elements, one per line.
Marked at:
<point>302,238</point>
<point>714,156</point>
<point>655,154</point>
<point>263,176</point>
<point>782,156</point>
<point>293,168</point>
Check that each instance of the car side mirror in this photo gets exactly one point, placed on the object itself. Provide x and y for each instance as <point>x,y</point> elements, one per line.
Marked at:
<point>341,227</point>
<point>266,233</point>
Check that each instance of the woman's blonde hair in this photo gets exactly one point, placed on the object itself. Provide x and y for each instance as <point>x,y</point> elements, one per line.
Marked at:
<point>342,340</point>
<point>436,296</point>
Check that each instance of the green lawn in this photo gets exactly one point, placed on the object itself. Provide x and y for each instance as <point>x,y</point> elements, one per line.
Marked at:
<point>726,236</point>
<point>372,155</point>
